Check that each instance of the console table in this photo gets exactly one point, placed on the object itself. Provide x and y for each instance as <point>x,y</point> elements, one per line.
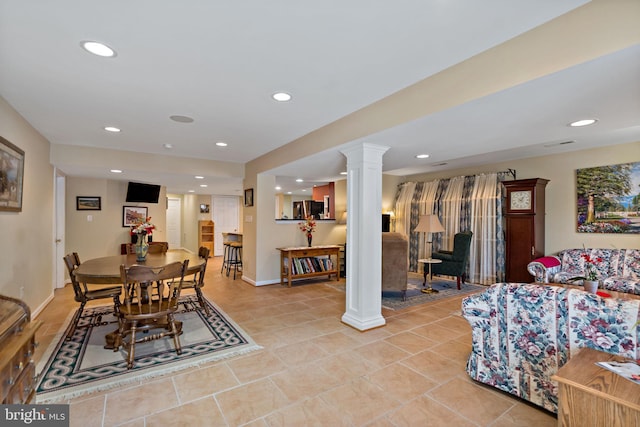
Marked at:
<point>301,262</point>
<point>590,395</point>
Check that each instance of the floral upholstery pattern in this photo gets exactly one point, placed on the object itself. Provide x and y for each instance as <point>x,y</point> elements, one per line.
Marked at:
<point>618,269</point>
<point>523,333</point>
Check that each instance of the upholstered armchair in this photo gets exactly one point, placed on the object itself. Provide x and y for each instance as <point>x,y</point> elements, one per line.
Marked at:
<point>454,263</point>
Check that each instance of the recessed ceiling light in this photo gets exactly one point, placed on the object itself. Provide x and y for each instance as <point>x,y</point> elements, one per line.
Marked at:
<point>192,191</point>
<point>221,144</point>
<point>98,48</point>
<point>299,180</point>
<point>422,156</point>
<point>584,122</point>
<point>167,146</point>
<point>278,188</point>
<point>181,119</point>
<point>281,97</point>
<point>199,177</point>
<point>203,185</point>
<point>115,171</point>
<point>112,129</point>
<point>288,192</point>
<point>343,173</point>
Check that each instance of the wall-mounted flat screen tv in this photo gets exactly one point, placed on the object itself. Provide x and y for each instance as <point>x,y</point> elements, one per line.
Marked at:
<point>142,193</point>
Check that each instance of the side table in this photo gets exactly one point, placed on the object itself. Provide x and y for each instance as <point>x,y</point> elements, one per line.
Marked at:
<point>590,395</point>
<point>429,261</point>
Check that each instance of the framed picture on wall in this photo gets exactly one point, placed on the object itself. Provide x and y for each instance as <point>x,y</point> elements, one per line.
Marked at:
<point>88,203</point>
<point>248,197</point>
<point>11,174</point>
<point>132,215</point>
<point>608,200</point>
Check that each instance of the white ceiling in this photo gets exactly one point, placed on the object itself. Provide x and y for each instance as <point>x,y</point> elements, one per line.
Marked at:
<point>220,62</point>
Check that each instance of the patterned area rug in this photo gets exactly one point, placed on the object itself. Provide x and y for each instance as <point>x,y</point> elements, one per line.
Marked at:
<point>81,365</point>
<point>446,288</point>
<point>415,296</point>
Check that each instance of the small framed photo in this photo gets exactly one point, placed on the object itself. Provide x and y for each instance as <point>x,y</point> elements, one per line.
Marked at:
<point>248,197</point>
<point>204,208</point>
<point>133,215</point>
<point>11,174</point>
<point>88,203</point>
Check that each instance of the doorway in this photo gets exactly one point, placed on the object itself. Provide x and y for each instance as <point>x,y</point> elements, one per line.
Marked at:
<point>226,211</point>
<point>174,230</point>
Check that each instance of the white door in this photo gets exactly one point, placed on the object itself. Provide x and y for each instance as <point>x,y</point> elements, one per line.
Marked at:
<point>173,224</point>
<point>226,210</point>
<point>59,249</point>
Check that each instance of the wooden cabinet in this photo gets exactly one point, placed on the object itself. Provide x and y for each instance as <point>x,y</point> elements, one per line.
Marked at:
<point>524,226</point>
<point>205,235</point>
<point>589,395</point>
<point>17,344</point>
<point>303,262</point>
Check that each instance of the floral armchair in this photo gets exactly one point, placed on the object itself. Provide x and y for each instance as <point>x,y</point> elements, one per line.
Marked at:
<point>523,333</point>
<point>617,269</point>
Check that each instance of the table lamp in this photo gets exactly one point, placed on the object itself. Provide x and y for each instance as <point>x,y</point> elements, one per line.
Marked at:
<point>429,224</point>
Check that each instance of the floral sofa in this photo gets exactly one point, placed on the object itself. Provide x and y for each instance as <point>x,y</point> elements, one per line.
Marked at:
<point>523,333</point>
<point>617,269</point>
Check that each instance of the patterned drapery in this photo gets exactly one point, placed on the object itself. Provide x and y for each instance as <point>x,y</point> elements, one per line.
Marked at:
<point>462,203</point>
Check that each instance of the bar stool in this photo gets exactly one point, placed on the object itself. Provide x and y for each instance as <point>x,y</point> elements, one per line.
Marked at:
<point>234,258</point>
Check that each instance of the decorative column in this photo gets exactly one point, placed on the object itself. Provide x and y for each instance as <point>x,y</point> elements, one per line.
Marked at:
<point>364,236</point>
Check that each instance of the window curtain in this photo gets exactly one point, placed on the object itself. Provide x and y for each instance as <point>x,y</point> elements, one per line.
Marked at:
<point>461,203</point>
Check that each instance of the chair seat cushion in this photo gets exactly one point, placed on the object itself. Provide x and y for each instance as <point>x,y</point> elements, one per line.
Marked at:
<point>443,256</point>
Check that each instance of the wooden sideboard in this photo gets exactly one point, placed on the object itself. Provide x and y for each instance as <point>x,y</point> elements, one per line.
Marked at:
<point>17,344</point>
<point>304,262</point>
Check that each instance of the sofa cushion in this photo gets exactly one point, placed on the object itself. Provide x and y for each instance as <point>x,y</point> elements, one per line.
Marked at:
<point>574,263</point>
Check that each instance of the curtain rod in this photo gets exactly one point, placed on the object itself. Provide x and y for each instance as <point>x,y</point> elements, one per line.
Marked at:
<point>509,171</point>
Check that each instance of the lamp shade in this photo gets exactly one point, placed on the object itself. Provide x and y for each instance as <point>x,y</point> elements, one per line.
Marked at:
<point>429,224</point>
<point>343,218</point>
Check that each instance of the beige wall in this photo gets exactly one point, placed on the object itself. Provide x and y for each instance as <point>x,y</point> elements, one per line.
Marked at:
<point>100,233</point>
<point>560,170</point>
<point>28,236</point>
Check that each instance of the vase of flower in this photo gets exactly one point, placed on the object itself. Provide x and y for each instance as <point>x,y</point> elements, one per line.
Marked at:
<point>142,248</point>
<point>308,227</point>
<point>590,286</point>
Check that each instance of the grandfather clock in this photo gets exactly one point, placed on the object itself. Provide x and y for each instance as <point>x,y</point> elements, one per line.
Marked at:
<point>524,226</point>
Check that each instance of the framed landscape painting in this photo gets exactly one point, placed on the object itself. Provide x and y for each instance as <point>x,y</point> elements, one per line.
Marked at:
<point>88,203</point>
<point>11,175</point>
<point>609,199</point>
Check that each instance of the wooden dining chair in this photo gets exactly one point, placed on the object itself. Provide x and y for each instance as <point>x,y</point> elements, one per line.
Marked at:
<point>83,294</point>
<point>154,248</point>
<point>197,281</point>
<point>151,299</point>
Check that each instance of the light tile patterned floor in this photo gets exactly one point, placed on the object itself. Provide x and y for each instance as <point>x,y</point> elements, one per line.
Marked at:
<point>313,370</point>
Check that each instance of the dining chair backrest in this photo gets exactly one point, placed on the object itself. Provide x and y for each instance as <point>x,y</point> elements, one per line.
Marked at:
<point>138,280</point>
<point>203,253</point>
<point>72,261</point>
<point>154,248</point>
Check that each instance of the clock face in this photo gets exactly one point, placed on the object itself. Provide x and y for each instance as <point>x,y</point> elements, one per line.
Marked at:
<point>521,199</point>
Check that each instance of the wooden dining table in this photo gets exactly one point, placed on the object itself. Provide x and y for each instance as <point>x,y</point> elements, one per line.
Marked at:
<point>106,270</point>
